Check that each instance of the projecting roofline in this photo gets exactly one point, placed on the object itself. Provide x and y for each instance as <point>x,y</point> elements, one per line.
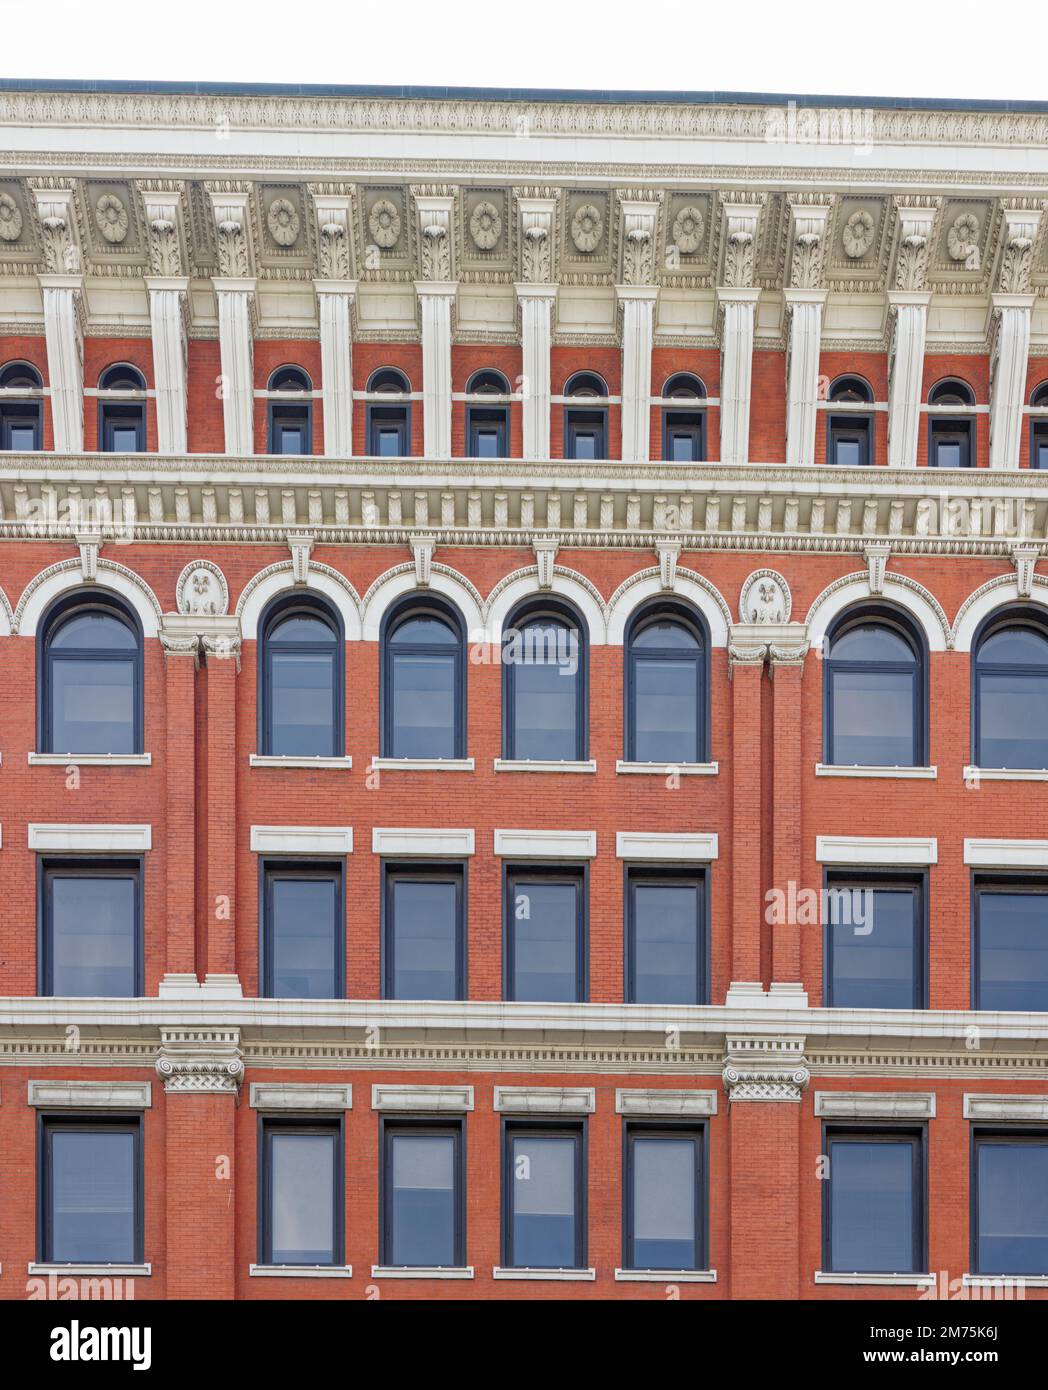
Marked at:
<point>610,97</point>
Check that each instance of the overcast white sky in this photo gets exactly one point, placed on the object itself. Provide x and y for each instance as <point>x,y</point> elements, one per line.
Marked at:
<point>899,47</point>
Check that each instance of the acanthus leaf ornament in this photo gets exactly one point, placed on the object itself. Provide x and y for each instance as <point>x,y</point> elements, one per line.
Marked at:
<point>436,253</point>
<point>1019,233</point>
<point>283,221</point>
<point>384,223</point>
<point>485,225</point>
<point>111,218</point>
<point>587,228</point>
<point>334,252</point>
<point>10,218</point>
<point>688,227</point>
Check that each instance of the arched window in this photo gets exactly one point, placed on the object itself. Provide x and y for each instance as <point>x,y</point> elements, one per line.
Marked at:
<point>90,674</point>
<point>1010,702</point>
<point>487,415</point>
<point>21,407</point>
<point>951,425</point>
<point>423,681</point>
<point>389,418</point>
<point>684,421</point>
<point>1039,427</point>
<point>300,679</point>
<point>290,421</point>
<point>586,423</point>
<point>666,686</point>
<point>849,427</point>
<point>875,710</point>
<point>544,683</point>
<point>122,410</point>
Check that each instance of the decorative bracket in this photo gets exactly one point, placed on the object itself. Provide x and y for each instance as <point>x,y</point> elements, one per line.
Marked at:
<point>301,548</point>
<point>765,1068</point>
<point>90,542</point>
<point>1025,557</point>
<point>200,1060</point>
<point>877,560</point>
<point>668,553</point>
<point>422,548</point>
<point>545,557</point>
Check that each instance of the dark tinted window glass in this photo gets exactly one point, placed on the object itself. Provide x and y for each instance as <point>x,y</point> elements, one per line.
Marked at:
<point>543,662</point>
<point>424,937</point>
<point>304,935</point>
<point>1011,1206</point>
<point>872,1206</point>
<point>543,1201</point>
<point>663,1177</point>
<point>424,698</point>
<point>665,662</point>
<point>544,929</point>
<point>421,1173</point>
<point>92,925</point>
<point>91,1203</point>
<point>1012,698</point>
<point>873,690</point>
<point>1012,961</point>
<point>91,679</point>
<point>302,655</point>
<point>666,941</point>
<point>302,1198</point>
<point>874,947</point>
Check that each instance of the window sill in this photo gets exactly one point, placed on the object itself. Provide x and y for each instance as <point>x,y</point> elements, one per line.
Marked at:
<point>668,769</point>
<point>1005,774</point>
<point>871,770</point>
<point>544,765</point>
<point>300,1271</point>
<point>666,1276</point>
<point>423,764</point>
<point>1005,1281</point>
<point>90,759</point>
<point>916,1281</point>
<point>422,1271</point>
<point>138,1271</point>
<point>579,1276</point>
<point>286,760</point>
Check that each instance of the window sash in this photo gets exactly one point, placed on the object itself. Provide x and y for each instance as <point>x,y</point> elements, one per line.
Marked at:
<point>516,881</point>
<point>694,988</point>
<point>50,871</point>
<point>632,1247</point>
<point>274,873</point>
<point>52,1242</point>
<point>850,429</point>
<point>396,875</point>
<point>397,1231</point>
<point>270,1128</point>
<point>889,1263</point>
<point>1001,994</point>
<point>835,985</point>
<point>517,1252</point>
<point>984,1259</point>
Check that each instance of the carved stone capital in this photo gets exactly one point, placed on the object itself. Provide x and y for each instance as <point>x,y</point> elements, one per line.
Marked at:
<point>1018,233</point>
<point>435,220</point>
<point>232,222</point>
<point>639,226</point>
<point>808,222</point>
<point>765,1068</point>
<point>56,214</point>
<point>912,242</point>
<point>200,1060</point>
<point>536,236</point>
<point>163,231</point>
<point>741,223</point>
<point>334,214</point>
<point>178,642</point>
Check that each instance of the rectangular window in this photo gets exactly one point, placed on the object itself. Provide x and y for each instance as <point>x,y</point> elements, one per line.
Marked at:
<point>585,434</point>
<point>848,441</point>
<point>90,1190</point>
<point>389,431</point>
<point>424,932</point>
<point>874,1202</point>
<point>665,937</point>
<point>122,428</point>
<point>423,1194</point>
<point>665,1198</point>
<point>1038,444</point>
<point>684,437</point>
<point>545,946</point>
<point>875,934</point>
<point>301,1193</point>
<point>544,1196</point>
<point>303,931</point>
<point>1010,1202</point>
<point>289,429</point>
<point>20,427</point>
<point>487,433</point>
<point>91,928</point>
<point>950,444</point>
<point>1011,944</point>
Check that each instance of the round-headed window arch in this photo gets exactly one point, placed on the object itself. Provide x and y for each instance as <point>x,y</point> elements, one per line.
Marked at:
<point>487,382</point>
<point>875,710</point>
<point>300,675</point>
<point>389,380</point>
<point>423,679</point>
<point>1010,690</point>
<point>667,685</point>
<point>851,389</point>
<point>20,376</point>
<point>953,393</point>
<point>1039,398</point>
<point>89,673</point>
<point>21,420</point>
<point>290,378</point>
<point>585,384</point>
<point>684,386</point>
<point>545,682</point>
<point>121,376</point>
